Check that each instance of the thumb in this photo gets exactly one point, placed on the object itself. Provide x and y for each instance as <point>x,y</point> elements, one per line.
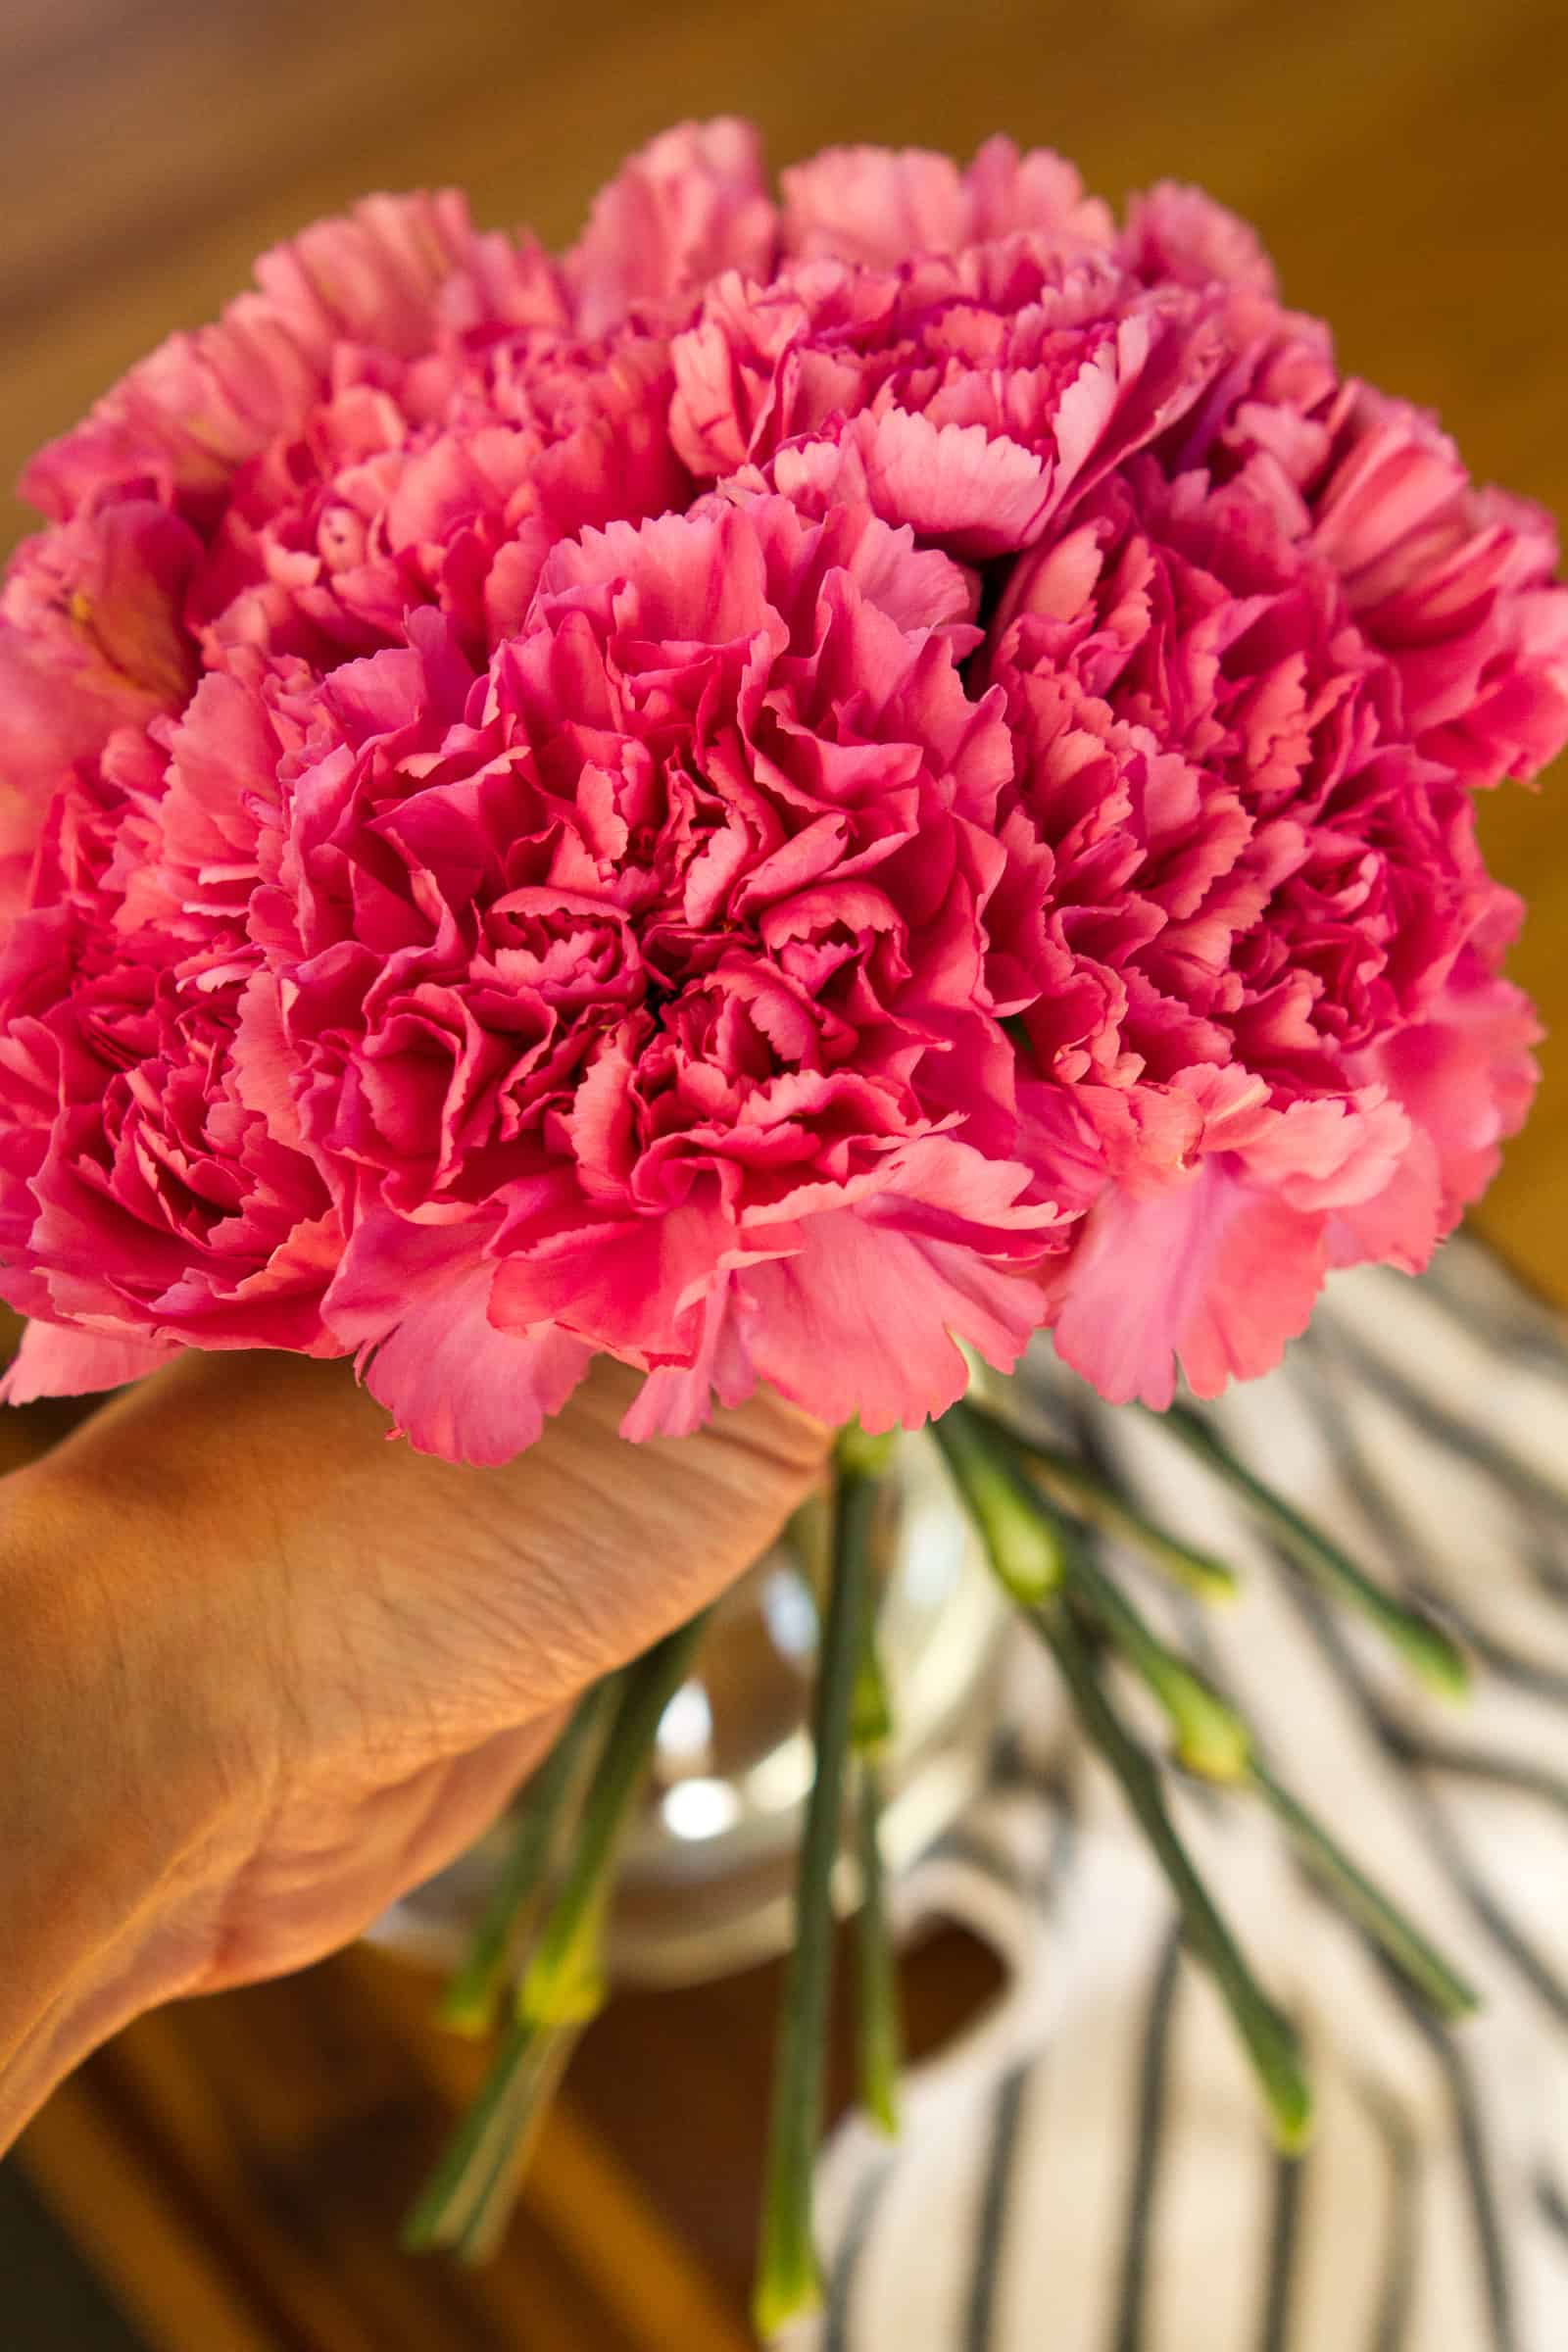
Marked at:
<point>486,1595</point>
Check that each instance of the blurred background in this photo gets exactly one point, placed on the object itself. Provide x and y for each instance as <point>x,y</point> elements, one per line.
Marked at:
<point>230,2177</point>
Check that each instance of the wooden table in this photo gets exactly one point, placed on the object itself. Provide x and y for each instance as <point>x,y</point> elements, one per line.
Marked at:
<point>236,2168</point>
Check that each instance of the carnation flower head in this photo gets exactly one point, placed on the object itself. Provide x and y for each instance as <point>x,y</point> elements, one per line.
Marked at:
<point>799,784</point>
<point>634,988</point>
<point>1264,907</point>
<point>971,394</point>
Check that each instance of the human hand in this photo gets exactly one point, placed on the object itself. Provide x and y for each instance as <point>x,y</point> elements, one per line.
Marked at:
<point>269,1671</point>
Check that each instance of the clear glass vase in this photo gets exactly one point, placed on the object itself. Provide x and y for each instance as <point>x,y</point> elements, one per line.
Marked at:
<point>705,1885</point>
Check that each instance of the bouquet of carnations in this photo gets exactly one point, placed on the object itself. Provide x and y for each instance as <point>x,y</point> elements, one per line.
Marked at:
<point>795,794</point>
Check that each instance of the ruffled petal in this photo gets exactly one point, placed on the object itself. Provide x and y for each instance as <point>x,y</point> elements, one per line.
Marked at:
<point>691,204</point>
<point>864,1319</point>
<point>413,1302</point>
<point>1211,1275</point>
<point>54,1361</point>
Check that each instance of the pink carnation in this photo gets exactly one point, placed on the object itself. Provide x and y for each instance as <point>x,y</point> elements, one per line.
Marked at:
<point>634,989</point>
<point>867,204</point>
<point>692,204</point>
<point>1271,1014</point>
<point>402,410</point>
<point>154,1191</point>
<point>514,844</point>
<point>1455,586</point>
<point>90,641</point>
<point>448,489</point>
<point>970,395</point>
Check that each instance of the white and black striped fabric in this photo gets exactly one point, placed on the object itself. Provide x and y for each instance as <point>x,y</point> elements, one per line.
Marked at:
<point>1086,2172</point>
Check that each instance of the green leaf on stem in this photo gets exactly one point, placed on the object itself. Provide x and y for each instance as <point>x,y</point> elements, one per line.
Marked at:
<point>1417,1959</point>
<point>485,2132</point>
<point>1267,2035</point>
<point>1075,1486</point>
<point>1208,1733</point>
<point>471,2001</point>
<point>808,1539</point>
<point>472,2191</point>
<point>564,1982</point>
<point>871,1707</point>
<point>878,2019</point>
<point>1213,1740</point>
<point>538,2080</point>
<point>1028,1545</point>
<point>1430,1652</point>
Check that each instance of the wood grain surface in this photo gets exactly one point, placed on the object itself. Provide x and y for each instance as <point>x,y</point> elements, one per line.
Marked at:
<point>236,2168</point>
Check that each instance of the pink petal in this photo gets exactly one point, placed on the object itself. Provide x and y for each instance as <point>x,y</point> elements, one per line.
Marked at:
<point>53,1361</point>
<point>880,205</point>
<point>201,404</point>
<point>1209,1274</point>
<point>875,204</point>
<point>1178,232</point>
<point>864,1319</point>
<point>676,1398</point>
<point>1465,1076</point>
<point>414,1299</point>
<point>691,205</point>
<point>978,496</point>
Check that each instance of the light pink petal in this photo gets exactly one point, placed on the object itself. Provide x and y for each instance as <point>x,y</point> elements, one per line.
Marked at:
<point>1329,1154</point>
<point>53,1361</point>
<point>1038,192</point>
<point>100,604</point>
<point>201,404</point>
<point>1465,1076</point>
<point>864,1319</point>
<point>882,205</point>
<point>693,203</point>
<point>1402,1223</point>
<point>676,1398</point>
<point>413,1302</point>
<point>1178,232</point>
<point>875,204</point>
<point>1211,1274</point>
<point>637,1290</point>
<point>90,642</point>
<point>975,494</point>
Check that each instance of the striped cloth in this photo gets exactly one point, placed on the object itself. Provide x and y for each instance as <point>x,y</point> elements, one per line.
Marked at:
<point>1086,2171</point>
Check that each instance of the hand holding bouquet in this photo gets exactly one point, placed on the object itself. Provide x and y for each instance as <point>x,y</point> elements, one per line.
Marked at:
<point>791,798</point>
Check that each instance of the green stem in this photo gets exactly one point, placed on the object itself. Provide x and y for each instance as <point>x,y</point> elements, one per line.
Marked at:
<point>564,1982</point>
<point>880,2038</point>
<point>788,2277</point>
<point>490,2210</point>
<point>871,1707</point>
<point>1267,2035</point>
<point>448,2198</point>
<point>862,1452</point>
<point>1213,1740</point>
<point>473,2000</point>
<point>1028,1545</point>
<point>878,2020</point>
<point>1075,1486</point>
<point>1208,1734</point>
<point>1419,1961</point>
<point>1420,1640</point>
<point>472,2188</point>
